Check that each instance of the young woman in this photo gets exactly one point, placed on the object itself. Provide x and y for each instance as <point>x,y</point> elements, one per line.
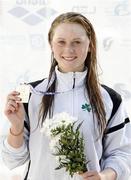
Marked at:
<point>72,84</point>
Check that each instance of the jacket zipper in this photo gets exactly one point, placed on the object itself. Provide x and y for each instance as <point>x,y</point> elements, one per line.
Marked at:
<point>73,80</point>
<point>73,87</point>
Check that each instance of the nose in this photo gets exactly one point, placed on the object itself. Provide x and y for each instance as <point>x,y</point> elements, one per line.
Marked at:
<point>69,49</point>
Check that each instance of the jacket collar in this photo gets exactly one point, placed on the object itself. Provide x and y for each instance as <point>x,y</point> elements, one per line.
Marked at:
<point>70,80</point>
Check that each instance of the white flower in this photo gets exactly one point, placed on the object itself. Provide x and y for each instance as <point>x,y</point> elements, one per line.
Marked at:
<point>63,137</point>
<point>53,143</point>
<point>64,118</point>
<point>57,121</point>
<point>57,159</point>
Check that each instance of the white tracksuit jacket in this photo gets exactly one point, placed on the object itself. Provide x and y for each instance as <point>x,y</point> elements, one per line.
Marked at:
<point>115,152</point>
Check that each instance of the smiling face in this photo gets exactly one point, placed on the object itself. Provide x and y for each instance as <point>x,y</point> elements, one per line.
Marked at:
<point>70,46</point>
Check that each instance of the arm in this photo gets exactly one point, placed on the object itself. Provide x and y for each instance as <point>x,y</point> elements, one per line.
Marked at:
<point>15,146</point>
<point>14,157</point>
<point>117,145</point>
<point>116,158</point>
<point>15,137</point>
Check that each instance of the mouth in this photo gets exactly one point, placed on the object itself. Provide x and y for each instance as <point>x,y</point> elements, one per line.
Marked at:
<point>69,58</point>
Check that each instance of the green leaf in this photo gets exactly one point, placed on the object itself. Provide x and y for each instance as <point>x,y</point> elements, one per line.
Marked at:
<point>71,146</point>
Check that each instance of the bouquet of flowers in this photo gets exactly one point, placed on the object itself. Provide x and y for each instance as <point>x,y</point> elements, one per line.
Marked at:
<point>66,142</point>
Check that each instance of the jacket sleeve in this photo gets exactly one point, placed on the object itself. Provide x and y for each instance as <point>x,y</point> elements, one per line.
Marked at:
<point>14,157</point>
<point>117,144</point>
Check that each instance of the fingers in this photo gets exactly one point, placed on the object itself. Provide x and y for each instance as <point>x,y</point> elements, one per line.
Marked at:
<point>13,96</point>
<point>91,175</point>
<point>88,174</point>
<point>11,107</point>
<point>12,103</point>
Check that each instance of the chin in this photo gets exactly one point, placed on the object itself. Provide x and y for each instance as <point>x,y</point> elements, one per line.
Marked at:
<point>66,70</point>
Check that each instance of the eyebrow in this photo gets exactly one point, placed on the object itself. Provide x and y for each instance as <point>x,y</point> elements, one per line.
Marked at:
<point>72,39</point>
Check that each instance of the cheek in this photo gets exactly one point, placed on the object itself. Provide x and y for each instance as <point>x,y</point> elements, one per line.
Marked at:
<point>83,52</point>
<point>56,50</point>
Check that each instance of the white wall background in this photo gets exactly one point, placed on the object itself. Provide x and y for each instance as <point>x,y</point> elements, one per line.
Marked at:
<point>25,53</point>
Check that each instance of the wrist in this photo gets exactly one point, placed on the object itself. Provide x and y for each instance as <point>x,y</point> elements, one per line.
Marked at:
<point>16,131</point>
<point>102,176</point>
<point>108,174</point>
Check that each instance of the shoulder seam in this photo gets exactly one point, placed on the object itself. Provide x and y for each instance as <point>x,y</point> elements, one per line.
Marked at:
<point>115,98</point>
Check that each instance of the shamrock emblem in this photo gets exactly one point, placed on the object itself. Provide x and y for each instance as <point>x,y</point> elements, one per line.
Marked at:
<point>86,107</point>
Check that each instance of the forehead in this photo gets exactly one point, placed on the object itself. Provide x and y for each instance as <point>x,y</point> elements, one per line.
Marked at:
<point>71,30</point>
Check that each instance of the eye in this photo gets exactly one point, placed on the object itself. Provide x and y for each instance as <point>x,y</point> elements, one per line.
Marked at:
<point>76,43</point>
<point>61,43</point>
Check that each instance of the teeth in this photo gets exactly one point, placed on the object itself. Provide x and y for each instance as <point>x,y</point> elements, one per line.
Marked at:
<point>69,58</point>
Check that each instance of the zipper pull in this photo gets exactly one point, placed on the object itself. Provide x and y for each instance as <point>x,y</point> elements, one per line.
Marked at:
<point>73,80</point>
